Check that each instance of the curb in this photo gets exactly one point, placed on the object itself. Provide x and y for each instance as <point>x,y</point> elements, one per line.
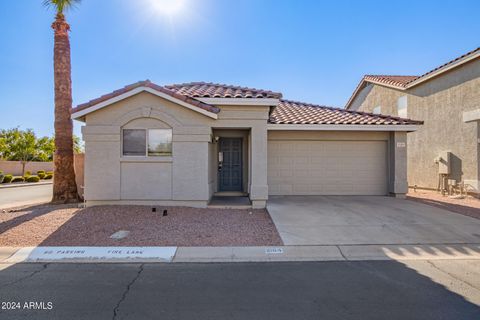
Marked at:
<point>11,255</point>
<point>21,185</point>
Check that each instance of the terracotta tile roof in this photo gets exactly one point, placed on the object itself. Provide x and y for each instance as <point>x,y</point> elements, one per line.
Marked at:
<point>148,84</point>
<point>403,81</point>
<point>286,112</point>
<point>292,112</point>
<point>214,90</point>
<point>398,81</point>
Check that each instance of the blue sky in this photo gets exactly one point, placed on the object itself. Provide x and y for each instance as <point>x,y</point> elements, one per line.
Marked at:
<point>312,51</point>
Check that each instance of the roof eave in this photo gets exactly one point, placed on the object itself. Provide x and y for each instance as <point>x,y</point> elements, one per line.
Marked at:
<point>80,114</point>
<point>425,77</point>
<point>443,69</point>
<point>361,86</point>
<point>344,127</point>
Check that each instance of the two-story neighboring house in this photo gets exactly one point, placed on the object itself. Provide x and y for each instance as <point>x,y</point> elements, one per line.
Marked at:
<point>447,99</point>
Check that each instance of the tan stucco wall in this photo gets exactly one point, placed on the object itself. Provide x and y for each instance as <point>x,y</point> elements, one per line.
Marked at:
<point>187,176</point>
<point>440,103</point>
<point>15,167</point>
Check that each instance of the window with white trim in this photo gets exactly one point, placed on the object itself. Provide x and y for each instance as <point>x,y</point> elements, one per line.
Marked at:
<point>402,107</point>
<point>377,110</point>
<point>147,142</point>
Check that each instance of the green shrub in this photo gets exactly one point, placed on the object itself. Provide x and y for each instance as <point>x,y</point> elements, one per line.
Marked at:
<point>28,173</point>
<point>1,172</point>
<point>18,179</point>
<point>1,176</point>
<point>32,179</point>
<point>41,171</point>
<point>49,172</point>
<point>41,175</point>
<point>8,178</point>
<point>48,176</point>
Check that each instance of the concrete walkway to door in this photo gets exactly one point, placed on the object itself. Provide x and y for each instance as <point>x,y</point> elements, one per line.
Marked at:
<point>364,220</point>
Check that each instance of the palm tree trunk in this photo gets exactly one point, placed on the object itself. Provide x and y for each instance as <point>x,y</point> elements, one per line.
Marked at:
<point>64,186</point>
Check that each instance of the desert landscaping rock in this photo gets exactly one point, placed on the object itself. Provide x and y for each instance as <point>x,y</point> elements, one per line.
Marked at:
<point>120,234</point>
<point>31,225</point>
<point>468,206</point>
<point>70,226</point>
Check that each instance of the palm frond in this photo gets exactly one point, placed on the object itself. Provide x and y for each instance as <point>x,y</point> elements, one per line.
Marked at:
<point>61,5</point>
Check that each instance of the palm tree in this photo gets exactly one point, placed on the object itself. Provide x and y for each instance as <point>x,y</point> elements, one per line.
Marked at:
<point>64,186</point>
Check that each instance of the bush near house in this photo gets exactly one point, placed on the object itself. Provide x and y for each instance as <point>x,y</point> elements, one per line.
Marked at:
<point>1,176</point>
<point>32,179</point>
<point>27,174</point>
<point>18,179</point>
<point>8,178</point>
<point>41,175</point>
<point>48,176</point>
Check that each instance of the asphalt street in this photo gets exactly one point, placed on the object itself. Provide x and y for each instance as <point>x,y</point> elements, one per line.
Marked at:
<point>306,290</point>
<point>19,196</point>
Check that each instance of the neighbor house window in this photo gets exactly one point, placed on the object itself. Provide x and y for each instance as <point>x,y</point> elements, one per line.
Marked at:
<point>377,110</point>
<point>143,142</point>
<point>402,107</point>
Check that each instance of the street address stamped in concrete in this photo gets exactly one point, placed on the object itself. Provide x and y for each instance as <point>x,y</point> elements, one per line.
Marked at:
<point>273,250</point>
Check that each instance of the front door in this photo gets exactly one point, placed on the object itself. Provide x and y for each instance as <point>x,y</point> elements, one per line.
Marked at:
<point>230,164</point>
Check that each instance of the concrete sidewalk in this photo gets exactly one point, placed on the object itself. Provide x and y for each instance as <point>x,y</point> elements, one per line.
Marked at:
<point>25,184</point>
<point>10,255</point>
<point>25,195</point>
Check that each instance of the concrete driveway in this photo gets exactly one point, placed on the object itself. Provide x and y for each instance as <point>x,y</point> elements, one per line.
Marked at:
<point>357,220</point>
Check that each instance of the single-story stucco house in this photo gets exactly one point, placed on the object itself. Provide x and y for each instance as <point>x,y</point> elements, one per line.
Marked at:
<point>447,99</point>
<point>182,144</point>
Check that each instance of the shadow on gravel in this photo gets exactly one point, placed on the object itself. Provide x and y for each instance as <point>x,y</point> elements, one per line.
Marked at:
<point>311,290</point>
<point>181,226</point>
<point>25,214</point>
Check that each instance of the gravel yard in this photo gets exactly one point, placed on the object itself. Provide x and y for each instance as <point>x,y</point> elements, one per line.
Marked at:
<point>66,225</point>
<point>469,206</point>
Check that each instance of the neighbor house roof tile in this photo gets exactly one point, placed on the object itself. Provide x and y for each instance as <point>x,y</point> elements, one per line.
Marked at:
<point>292,112</point>
<point>399,81</point>
<point>405,82</point>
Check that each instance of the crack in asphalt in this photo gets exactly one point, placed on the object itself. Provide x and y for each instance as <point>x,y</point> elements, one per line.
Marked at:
<point>125,293</point>
<point>451,275</point>
<point>26,277</point>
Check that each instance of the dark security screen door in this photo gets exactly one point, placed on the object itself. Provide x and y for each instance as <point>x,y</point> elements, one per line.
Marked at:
<point>230,175</point>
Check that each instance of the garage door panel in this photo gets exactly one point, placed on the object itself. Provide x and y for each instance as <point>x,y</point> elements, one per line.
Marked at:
<point>327,167</point>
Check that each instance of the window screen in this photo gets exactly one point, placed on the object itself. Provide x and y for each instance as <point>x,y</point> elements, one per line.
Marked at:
<point>134,142</point>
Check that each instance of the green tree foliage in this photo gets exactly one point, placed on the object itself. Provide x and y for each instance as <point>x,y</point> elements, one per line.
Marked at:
<point>24,146</point>
<point>19,145</point>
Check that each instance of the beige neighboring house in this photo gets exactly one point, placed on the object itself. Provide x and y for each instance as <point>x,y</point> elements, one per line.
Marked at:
<point>184,144</point>
<point>447,99</point>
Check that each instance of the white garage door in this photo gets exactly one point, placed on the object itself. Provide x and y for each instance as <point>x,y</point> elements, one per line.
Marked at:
<point>327,167</point>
